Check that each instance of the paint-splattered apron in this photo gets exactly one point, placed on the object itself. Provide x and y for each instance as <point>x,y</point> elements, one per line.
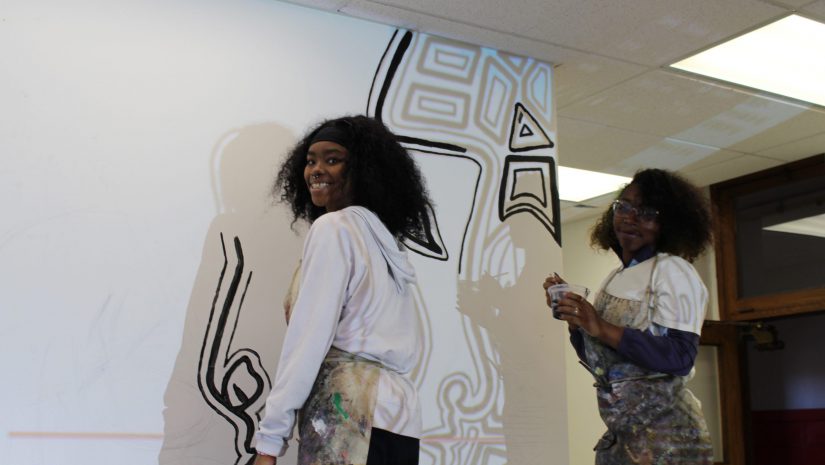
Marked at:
<point>651,417</point>
<point>335,423</point>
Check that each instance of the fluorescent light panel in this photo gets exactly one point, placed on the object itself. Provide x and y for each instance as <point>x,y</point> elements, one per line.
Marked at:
<point>576,185</point>
<point>810,226</point>
<point>786,57</point>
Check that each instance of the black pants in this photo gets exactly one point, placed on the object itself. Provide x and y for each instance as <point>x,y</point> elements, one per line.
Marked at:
<point>388,448</point>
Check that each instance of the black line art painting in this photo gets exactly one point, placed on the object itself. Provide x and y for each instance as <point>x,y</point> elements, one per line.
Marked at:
<point>234,384</point>
<point>525,187</point>
<point>430,244</point>
<point>526,133</point>
<point>481,122</point>
<point>233,328</point>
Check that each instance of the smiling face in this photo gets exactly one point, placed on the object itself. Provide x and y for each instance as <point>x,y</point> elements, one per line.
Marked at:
<point>633,232</point>
<point>326,175</point>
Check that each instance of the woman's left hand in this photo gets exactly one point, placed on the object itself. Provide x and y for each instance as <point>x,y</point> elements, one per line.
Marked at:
<point>578,313</point>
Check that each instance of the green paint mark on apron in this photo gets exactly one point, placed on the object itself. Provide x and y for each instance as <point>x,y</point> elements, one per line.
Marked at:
<point>336,399</point>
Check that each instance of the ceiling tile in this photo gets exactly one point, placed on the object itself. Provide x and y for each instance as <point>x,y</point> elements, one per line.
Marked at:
<point>384,14</point>
<point>651,32</point>
<point>328,5</point>
<point>668,154</point>
<point>657,103</point>
<point>714,158</point>
<point>574,213</point>
<point>615,151</point>
<point>733,167</point>
<point>815,10</point>
<point>499,39</point>
<point>615,115</point>
<point>793,3</point>
<point>587,74</point>
<point>789,125</point>
<point>799,149</point>
<point>596,147</point>
<point>756,123</point>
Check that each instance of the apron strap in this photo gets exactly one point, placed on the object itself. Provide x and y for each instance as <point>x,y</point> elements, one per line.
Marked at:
<point>649,292</point>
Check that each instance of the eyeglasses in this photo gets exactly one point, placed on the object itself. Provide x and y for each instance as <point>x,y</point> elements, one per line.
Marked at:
<point>624,208</point>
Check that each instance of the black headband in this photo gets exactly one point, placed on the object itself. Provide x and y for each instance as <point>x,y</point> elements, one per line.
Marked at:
<point>332,133</point>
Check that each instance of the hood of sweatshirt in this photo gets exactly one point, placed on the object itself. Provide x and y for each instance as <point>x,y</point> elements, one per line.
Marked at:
<point>395,254</point>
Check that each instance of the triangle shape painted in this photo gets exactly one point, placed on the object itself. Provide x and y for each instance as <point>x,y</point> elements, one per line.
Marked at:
<point>526,133</point>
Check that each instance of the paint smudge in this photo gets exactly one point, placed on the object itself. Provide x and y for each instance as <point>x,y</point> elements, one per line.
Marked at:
<point>336,399</point>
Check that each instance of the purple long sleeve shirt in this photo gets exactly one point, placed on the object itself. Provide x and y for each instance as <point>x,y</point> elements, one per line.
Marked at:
<point>673,352</point>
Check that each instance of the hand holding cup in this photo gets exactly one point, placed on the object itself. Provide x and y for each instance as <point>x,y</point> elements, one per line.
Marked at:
<point>560,291</point>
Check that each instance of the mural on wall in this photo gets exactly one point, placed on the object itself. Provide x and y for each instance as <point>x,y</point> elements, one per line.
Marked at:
<point>234,324</point>
<point>480,124</point>
<point>234,384</point>
<point>150,355</point>
<point>491,114</point>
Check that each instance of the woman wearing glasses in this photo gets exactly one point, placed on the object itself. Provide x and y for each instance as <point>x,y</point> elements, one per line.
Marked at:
<point>640,338</point>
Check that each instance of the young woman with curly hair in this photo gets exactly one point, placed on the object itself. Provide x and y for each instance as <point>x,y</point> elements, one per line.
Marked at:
<point>352,327</point>
<point>640,337</point>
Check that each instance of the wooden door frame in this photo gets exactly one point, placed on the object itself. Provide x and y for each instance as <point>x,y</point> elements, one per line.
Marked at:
<point>733,395</point>
<point>723,196</point>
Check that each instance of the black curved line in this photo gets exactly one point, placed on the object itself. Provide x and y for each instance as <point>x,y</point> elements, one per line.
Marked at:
<point>513,131</point>
<point>243,441</point>
<point>375,76</point>
<point>555,231</point>
<point>523,206</point>
<point>394,64</point>
<point>209,386</point>
<point>211,315</point>
<point>542,200</point>
<point>529,195</point>
<point>430,244</point>
<point>437,252</point>
<point>398,56</point>
<point>212,310</point>
<point>223,318</point>
<point>214,352</point>
<point>556,207</point>
<point>508,160</point>
<point>245,359</point>
<point>240,410</point>
<point>472,205</point>
<point>238,314</point>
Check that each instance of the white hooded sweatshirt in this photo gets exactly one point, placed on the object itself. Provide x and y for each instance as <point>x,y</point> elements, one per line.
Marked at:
<point>355,294</point>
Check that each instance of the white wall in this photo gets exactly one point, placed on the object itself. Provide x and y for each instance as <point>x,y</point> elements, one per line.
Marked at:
<point>134,134</point>
<point>115,116</point>
<point>131,135</point>
<point>583,265</point>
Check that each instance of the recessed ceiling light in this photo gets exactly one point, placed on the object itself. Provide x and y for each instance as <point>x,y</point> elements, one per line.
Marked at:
<point>810,226</point>
<point>576,185</point>
<point>784,57</point>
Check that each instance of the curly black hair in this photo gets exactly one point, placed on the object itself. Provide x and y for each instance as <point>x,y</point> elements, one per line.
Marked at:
<point>383,176</point>
<point>684,215</point>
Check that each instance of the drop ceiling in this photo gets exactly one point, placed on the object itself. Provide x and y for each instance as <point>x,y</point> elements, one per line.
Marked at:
<point>620,108</point>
